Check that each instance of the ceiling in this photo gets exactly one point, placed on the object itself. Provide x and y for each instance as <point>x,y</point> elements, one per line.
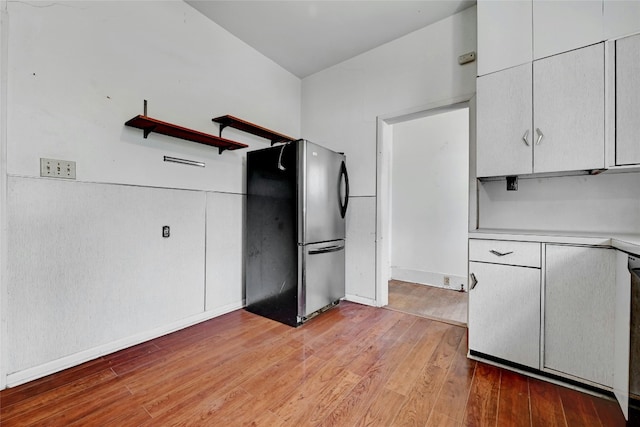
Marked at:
<point>305,37</point>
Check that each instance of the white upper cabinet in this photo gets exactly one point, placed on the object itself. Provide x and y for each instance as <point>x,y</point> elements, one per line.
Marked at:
<point>568,116</point>
<point>504,130</point>
<point>504,34</point>
<point>628,101</point>
<point>560,26</point>
<point>621,18</point>
<point>550,119</point>
<point>511,33</point>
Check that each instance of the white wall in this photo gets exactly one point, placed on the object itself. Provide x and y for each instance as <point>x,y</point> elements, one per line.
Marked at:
<point>606,203</point>
<point>79,70</point>
<point>429,193</point>
<point>89,272</point>
<point>340,106</point>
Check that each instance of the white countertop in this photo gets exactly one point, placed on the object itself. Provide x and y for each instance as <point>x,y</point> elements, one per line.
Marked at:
<point>624,242</point>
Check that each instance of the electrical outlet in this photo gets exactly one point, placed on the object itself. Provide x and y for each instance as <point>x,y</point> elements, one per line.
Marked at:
<point>446,281</point>
<point>53,168</point>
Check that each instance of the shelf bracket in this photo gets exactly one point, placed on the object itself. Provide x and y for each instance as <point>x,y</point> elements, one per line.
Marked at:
<point>221,150</point>
<point>220,131</point>
<point>147,131</point>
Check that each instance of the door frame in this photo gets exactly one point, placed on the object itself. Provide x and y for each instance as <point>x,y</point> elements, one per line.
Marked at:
<point>384,145</point>
<point>4,54</point>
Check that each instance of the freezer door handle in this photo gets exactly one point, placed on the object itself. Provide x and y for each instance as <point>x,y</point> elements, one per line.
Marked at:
<point>343,173</point>
<point>328,249</point>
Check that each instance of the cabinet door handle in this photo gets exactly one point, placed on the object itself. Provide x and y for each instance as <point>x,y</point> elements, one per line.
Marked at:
<point>496,253</point>
<point>525,138</point>
<point>540,136</point>
<point>474,281</point>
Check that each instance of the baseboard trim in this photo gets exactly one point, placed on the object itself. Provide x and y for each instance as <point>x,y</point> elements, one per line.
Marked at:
<point>30,374</point>
<point>361,300</point>
<point>428,278</point>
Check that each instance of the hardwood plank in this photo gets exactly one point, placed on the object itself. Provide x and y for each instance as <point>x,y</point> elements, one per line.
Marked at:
<point>609,412</point>
<point>431,302</point>
<point>453,397</point>
<point>204,411</point>
<point>546,406</point>
<point>130,416</point>
<point>383,410</point>
<point>50,399</point>
<point>578,408</point>
<point>377,343</point>
<point>513,403</point>
<point>402,381</point>
<point>16,394</point>
<point>423,395</point>
<point>65,409</point>
<point>379,412</point>
<point>441,420</point>
<point>354,365</point>
<point>212,381</point>
<point>316,394</point>
<point>482,406</point>
<point>357,402</point>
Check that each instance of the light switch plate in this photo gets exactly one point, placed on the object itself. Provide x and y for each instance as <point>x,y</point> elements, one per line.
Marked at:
<point>53,168</point>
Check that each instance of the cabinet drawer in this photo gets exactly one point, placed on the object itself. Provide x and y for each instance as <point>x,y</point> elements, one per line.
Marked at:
<point>526,254</point>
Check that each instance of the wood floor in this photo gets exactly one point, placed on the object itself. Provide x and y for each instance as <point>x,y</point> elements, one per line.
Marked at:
<point>352,366</point>
<point>431,302</point>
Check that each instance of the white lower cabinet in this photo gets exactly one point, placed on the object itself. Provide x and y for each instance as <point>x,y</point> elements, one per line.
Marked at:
<point>504,305</point>
<point>579,312</point>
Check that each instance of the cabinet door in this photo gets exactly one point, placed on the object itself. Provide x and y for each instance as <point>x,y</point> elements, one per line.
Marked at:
<point>504,35</point>
<point>504,112</point>
<point>562,25</point>
<point>621,18</point>
<point>622,335</point>
<point>628,101</point>
<point>504,312</point>
<point>568,117</point>
<point>579,313</point>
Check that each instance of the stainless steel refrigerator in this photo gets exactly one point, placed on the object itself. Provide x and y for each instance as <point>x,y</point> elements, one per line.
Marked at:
<point>297,197</point>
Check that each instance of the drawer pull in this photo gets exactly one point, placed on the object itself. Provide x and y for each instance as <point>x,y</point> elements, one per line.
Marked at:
<point>474,281</point>
<point>496,253</point>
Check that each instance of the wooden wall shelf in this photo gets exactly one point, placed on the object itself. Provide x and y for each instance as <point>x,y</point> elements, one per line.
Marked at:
<point>251,128</point>
<point>148,125</point>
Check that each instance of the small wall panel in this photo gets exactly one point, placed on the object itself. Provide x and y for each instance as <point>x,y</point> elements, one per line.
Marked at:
<point>225,251</point>
<point>88,265</point>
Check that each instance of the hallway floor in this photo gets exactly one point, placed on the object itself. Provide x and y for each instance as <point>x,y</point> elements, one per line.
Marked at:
<point>435,303</point>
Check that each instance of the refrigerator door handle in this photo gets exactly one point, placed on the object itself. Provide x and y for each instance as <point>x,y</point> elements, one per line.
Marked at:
<point>343,173</point>
<point>328,249</point>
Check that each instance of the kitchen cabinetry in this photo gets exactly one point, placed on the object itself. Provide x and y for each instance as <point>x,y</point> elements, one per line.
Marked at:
<point>513,33</point>
<point>561,26</point>
<point>579,307</point>
<point>504,301</point>
<point>504,35</point>
<point>627,104</point>
<point>622,336</point>
<point>505,111</point>
<point>549,118</point>
<point>568,111</point>
<point>621,18</point>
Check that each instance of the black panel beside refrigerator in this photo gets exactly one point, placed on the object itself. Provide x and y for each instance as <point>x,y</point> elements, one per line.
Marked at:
<point>297,197</point>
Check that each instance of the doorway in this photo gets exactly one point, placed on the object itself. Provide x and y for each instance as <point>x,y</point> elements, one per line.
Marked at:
<point>423,210</point>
